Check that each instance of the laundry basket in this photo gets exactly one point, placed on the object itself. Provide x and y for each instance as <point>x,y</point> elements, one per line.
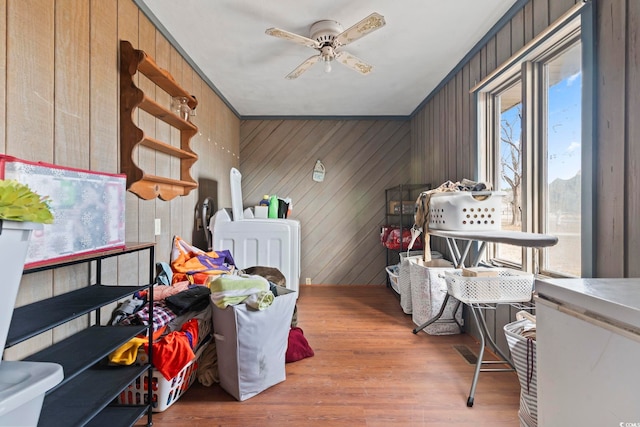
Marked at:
<point>404,277</point>
<point>428,291</point>
<point>165,392</point>
<point>394,273</point>
<point>509,286</point>
<point>523,354</point>
<point>466,210</point>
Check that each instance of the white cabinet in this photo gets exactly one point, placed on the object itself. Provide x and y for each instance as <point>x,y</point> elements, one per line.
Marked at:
<point>588,352</point>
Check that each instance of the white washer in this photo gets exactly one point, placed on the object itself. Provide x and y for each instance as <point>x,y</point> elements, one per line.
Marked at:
<point>257,241</point>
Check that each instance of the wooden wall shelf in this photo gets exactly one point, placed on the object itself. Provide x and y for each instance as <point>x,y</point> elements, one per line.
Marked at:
<point>144,185</point>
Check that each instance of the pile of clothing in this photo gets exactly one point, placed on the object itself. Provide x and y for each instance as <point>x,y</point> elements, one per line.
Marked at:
<point>182,313</point>
<point>182,321</point>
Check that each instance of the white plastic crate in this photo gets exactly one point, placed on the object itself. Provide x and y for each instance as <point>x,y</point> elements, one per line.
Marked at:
<point>394,273</point>
<point>466,210</point>
<point>510,286</point>
<point>164,392</point>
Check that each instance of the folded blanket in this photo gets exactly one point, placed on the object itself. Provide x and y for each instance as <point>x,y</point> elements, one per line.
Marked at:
<point>232,289</point>
<point>260,300</point>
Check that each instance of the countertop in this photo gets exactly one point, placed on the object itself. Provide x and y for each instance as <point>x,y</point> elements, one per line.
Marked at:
<point>617,300</point>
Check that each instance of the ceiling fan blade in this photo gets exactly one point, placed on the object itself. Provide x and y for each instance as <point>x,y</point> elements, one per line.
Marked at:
<point>354,63</point>
<point>282,34</point>
<point>303,67</point>
<point>361,29</point>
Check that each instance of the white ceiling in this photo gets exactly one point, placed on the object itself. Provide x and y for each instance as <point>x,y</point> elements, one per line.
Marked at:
<point>423,40</point>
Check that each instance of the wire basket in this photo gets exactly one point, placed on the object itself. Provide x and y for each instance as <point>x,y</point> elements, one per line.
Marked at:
<point>509,286</point>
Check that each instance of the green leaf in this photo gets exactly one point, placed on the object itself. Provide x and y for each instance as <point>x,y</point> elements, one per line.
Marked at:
<point>19,203</point>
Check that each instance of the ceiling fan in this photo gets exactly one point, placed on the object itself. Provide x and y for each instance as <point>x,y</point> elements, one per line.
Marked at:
<point>327,37</point>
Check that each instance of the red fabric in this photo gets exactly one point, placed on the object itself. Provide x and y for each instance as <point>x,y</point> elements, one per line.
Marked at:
<point>298,347</point>
<point>172,352</point>
<point>393,240</point>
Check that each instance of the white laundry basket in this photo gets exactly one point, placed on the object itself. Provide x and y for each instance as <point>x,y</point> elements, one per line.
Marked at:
<point>251,344</point>
<point>165,392</point>
<point>523,354</point>
<point>394,273</point>
<point>508,286</point>
<point>466,210</point>
<point>404,277</point>
<point>428,291</point>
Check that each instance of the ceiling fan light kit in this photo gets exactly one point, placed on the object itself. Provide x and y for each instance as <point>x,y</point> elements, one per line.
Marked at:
<point>327,37</point>
<point>324,32</point>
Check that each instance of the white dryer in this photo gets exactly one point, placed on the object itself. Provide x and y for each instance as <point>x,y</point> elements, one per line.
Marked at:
<point>257,241</point>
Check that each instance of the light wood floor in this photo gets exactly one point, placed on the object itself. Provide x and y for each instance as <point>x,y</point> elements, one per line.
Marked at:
<point>369,369</point>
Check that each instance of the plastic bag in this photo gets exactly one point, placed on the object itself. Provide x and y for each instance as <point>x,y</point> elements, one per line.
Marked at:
<point>393,240</point>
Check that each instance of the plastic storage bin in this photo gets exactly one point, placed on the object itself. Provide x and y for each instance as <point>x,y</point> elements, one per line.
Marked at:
<point>509,286</point>
<point>394,273</point>
<point>523,354</point>
<point>466,210</point>
<point>22,389</point>
<point>165,392</point>
<point>89,209</point>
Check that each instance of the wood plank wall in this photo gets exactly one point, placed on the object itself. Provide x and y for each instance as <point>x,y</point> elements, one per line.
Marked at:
<point>47,116</point>
<point>441,130</point>
<point>59,103</point>
<point>341,216</point>
<point>617,142</point>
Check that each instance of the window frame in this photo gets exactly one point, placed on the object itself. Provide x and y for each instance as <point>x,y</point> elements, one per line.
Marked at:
<point>527,66</point>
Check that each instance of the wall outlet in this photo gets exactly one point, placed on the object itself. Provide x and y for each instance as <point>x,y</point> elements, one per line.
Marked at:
<point>158,227</point>
<point>307,281</point>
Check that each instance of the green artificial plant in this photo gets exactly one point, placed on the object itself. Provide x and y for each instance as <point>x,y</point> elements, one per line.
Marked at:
<point>19,203</point>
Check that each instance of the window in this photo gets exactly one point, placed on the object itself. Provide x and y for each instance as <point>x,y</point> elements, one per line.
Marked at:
<point>507,163</point>
<point>531,147</point>
<point>562,179</point>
